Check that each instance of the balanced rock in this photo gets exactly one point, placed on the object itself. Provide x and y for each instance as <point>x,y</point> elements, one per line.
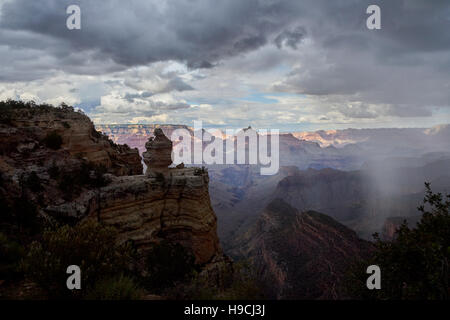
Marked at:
<point>158,156</point>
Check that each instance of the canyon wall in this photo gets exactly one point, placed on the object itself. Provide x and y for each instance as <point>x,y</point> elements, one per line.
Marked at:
<point>146,210</point>
<point>300,255</point>
<point>61,182</point>
<point>27,128</point>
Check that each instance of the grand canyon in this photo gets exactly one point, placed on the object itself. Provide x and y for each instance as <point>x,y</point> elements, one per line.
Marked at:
<point>224,150</point>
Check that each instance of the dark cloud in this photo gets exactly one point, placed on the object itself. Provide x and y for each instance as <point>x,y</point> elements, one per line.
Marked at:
<point>172,106</point>
<point>131,96</point>
<point>134,32</point>
<point>358,111</point>
<point>290,38</point>
<point>177,84</point>
<point>405,111</point>
<point>249,43</point>
<point>173,83</point>
<point>199,64</point>
<point>405,65</point>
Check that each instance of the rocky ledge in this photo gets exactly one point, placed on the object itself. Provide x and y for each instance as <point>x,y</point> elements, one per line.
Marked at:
<point>24,130</point>
<point>63,180</point>
<point>147,209</point>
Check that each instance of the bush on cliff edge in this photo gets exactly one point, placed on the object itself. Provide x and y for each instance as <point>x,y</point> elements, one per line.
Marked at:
<point>53,140</point>
<point>415,265</point>
<point>167,264</point>
<point>89,245</point>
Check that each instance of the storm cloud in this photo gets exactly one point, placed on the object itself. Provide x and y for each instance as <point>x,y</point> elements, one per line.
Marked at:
<point>199,32</point>
<point>318,49</point>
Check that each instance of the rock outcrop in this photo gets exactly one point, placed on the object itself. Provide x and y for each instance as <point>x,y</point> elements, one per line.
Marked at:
<point>158,156</point>
<point>146,210</point>
<point>26,129</point>
<point>136,135</point>
<point>176,208</point>
<point>64,184</point>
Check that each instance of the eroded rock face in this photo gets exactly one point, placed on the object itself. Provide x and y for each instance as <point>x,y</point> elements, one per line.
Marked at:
<point>40,172</point>
<point>63,187</point>
<point>148,209</point>
<point>300,255</point>
<point>158,156</point>
<point>29,127</point>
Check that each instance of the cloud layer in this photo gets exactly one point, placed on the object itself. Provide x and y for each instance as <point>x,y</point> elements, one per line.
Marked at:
<point>274,63</point>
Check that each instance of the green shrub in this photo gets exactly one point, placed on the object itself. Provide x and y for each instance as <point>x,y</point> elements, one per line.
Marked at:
<point>159,177</point>
<point>87,175</point>
<point>173,273</point>
<point>11,254</point>
<point>89,245</point>
<point>19,213</point>
<point>53,171</point>
<point>415,265</point>
<point>66,125</point>
<point>115,288</point>
<point>33,182</point>
<point>195,288</point>
<point>95,175</point>
<point>53,140</point>
<point>25,213</point>
<point>67,183</point>
<point>95,133</point>
<point>168,263</point>
<point>243,284</point>
<point>6,216</point>
<point>239,283</point>
<point>5,118</point>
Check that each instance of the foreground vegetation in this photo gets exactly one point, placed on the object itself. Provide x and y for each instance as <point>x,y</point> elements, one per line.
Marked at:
<point>415,265</point>
<point>111,271</point>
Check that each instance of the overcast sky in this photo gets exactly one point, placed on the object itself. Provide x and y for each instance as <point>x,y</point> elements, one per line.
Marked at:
<point>286,64</point>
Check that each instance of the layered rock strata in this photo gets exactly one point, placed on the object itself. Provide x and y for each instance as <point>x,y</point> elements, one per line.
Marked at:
<point>60,184</point>
<point>146,210</point>
<point>300,255</point>
<point>27,129</point>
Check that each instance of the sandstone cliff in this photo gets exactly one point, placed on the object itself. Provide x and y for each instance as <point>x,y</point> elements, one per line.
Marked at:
<point>83,174</point>
<point>24,129</point>
<point>148,209</point>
